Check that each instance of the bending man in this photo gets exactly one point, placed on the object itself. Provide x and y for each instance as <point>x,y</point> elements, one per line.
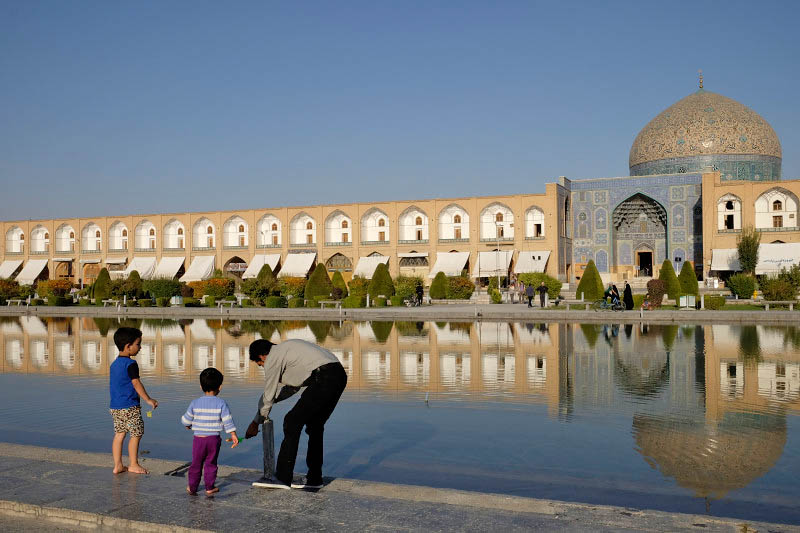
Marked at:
<point>287,367</point>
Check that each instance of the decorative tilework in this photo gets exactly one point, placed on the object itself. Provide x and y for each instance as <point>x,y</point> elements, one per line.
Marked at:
<point>678,218</point>
<point>679,236</point>
<point>601,261</point>
<point>600,218</point>
<point>625,254</point>
<point>601,238</point>
<point>676,193</point>
<point>599,197</point>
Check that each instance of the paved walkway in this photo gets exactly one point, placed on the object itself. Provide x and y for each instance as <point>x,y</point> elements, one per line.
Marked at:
<point>513,312</point>
<point>74,490</point>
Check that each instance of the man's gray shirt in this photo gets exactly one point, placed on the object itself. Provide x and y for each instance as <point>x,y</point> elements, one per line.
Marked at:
<point>286,367</point>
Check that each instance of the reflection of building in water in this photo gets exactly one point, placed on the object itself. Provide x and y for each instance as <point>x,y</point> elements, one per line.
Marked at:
<point>377,367</point>
<point>415,368</point>
<point>779,381</point>
<point>498,371</point>
<point>345,358</point>
<point>236,360</point>
<point>455,369</point>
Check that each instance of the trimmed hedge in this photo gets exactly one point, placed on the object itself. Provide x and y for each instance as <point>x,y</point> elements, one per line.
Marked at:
<point>495,295</point>
<point>671,283</point>
<point>406,286</point>
<point>655,292</point>
<point>358,286</point>
<point>275,301</point>
<point>591,286</point>
<point>438,290</point>
<point>319,284</point>
<point>688,279</point>
<point>354,300</point>
<point>380,302</point>
<point>145,303</point>
<point>338,283</point>
<point>381,283</point>
<point>296,302</point>
<point>210,301</point>
<point>714,303</point>
<point>459,288</point>
<point>101,290</point>
<point>190,302</point>
<point>536,279</point>
<point>161,288</point>
<point>162,302</point>
<point>397,301</point>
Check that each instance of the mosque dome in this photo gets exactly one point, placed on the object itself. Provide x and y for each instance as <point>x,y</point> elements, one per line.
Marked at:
<point>707,130</point>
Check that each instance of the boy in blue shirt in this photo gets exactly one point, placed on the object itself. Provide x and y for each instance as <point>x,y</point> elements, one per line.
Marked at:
<point>207,416</point>
<point>126,389</point>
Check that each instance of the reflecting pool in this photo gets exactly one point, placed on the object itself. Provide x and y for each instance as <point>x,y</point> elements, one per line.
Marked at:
<point>691,418</point>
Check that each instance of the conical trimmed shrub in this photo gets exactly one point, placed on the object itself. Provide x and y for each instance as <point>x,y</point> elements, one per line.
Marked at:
<point>438,290</point>
<point>667,275</point>
<point>338,283</point>
<point>102,287</point>
<point>267,281</point>
<point>591,286</point>
<point>319,284</point>
<point>381,283</point>
<point>688,279</point>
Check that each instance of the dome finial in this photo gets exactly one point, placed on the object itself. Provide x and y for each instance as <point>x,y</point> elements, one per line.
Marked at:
<point>700,72</point>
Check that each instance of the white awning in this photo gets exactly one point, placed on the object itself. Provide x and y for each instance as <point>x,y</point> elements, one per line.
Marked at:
<point>168,267</point>
<point>7,268</point>
<point>90,261</point>
<point>366,265</point>
<point>413,254</point>
<point>491,264</point>
<point>31,271</point>
<point>773,257</point>
<point>63,259</point>
<point>531,262</point>
<point>258,262</point>
<point>202,267</point>
<point>725,259</point>
<point>451,263</point>
<point>115,260</point>
<point>33,326</point>
<point>143,265</point>
<point>297,265</point>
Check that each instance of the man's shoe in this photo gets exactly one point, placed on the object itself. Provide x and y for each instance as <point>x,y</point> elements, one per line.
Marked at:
<point>270,484</point>
<point>306,483</point>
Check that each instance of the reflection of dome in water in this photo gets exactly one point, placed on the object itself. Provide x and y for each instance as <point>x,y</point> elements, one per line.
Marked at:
<point>707,460</point>
<point>641,374</point>
<point>703,130</point>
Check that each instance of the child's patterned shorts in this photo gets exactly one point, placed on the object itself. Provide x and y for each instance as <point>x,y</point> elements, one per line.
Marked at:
<point>128,420</point>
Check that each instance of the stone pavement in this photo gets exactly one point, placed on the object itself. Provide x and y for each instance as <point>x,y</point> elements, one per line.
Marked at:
<point>49,489</point>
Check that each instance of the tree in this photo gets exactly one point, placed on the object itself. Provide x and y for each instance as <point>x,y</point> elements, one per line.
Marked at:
<point>667,275</point>
<point>338,283</point>
<point>102,287</point>
<point>747,246</point>
<point>591,286</point>
<point>438,290</point>
<point>319,284</point>
<point>267,280</point>
<point>688,279</point>
<point>381,283</point>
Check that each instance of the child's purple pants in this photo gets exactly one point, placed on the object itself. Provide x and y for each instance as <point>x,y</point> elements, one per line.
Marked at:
<point>205,451</point>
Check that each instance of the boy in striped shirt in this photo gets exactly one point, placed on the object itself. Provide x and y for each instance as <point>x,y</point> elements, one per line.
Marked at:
<point>207,416</point>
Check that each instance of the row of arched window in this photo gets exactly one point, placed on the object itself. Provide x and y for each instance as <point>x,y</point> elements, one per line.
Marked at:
<point>496,222</point>
<point>775,208</point>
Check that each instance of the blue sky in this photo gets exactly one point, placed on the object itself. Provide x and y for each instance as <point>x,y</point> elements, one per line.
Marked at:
<point>147,107</point>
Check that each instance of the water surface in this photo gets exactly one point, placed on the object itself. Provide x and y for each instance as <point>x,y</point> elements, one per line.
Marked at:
<point>691,418</point>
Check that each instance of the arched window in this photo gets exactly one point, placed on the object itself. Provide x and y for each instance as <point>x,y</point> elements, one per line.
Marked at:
<point>729,205</point>
<point>344,224</point>
<point>418,221</point>
<point>241,227</point>
<point>46,235</point>
<point>22,236</point>
<point>151,233</point>
<point>498,217</point>
<point>71,234</point>
<point>309,225</point>
<point>457,219</point>
<point>97,234</point>
<point>274,227</point>
<point>777,205</point>
<point>381,223</point>
<point>124,233</point>
<point>180,231</point>
<point>210,230</point>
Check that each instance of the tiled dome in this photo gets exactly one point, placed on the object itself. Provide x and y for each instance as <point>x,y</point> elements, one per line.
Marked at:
<point>705,124</point>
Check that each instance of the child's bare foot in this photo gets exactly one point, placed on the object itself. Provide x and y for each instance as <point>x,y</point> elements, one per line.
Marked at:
<point>120,469</point>
<point>212,490</point>
<point>137,469</point>
<point>190,491</point>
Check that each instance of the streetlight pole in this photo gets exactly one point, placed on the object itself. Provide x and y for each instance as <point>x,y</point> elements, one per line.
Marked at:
<point>499,226</point>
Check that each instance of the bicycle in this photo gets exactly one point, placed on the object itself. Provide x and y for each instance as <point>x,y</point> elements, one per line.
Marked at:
<point>603,305</point>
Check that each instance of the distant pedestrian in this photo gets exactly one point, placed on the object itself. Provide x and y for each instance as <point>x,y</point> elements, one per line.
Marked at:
<point>126,388</point>
<point>542,289</point>
<point>419,292</point>
<point>627,297</point>
<point>207,416</point>
<point>529,294</point>
<point>521,291</point>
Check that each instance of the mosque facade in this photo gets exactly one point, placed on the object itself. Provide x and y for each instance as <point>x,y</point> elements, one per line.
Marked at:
<point>700,171</point>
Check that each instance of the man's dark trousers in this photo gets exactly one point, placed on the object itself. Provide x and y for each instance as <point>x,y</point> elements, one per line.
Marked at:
<point>312,410</point>
<point>541,299</point>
